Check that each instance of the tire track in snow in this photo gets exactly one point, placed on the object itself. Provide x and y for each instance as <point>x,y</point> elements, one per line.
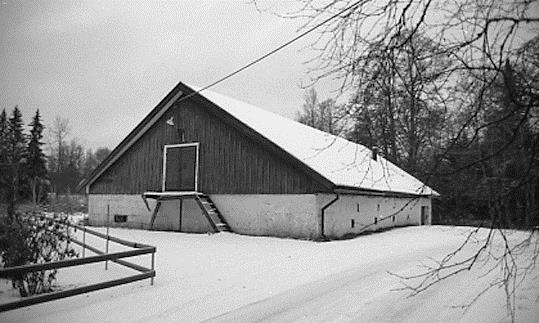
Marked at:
<point>344,296</point>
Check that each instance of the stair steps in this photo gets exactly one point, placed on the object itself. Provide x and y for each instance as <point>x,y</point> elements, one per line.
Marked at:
<point>211,212</point>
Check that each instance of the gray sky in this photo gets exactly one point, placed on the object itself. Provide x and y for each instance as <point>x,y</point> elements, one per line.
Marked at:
<point>105,64</point>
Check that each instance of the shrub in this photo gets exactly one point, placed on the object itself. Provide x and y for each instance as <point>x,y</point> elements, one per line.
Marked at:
<point>67,203</point>
<point>33,239</point>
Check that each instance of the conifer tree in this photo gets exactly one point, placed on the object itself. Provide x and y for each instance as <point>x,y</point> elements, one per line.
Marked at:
<point>35,169</point>
<point>16,139</point>
<point>3,151</point>
<point>3,133</point>
<point>16,144</point>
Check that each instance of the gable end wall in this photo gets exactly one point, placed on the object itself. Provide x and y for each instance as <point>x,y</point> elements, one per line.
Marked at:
<point>231,162</point>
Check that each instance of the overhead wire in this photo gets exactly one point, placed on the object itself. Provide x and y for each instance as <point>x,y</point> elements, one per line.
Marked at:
<point>303,34</point>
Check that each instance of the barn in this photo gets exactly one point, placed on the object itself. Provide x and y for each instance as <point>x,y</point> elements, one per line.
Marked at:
<point>204,162</point>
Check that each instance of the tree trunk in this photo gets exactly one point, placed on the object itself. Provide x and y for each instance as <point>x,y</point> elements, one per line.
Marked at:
<point>39,192</point>
<point>33,183</point>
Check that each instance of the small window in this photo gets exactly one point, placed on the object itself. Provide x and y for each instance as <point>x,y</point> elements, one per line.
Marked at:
<point>357,207</point>
<point>118,218</point>
<point>352,223</point>
<point>393,218</point>
<point>375,220</point>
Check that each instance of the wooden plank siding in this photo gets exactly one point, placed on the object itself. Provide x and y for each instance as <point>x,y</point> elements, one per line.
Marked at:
<point>231,161</point>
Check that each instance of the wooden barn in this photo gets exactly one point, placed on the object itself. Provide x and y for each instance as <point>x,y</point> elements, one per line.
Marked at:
<point>202,162</point>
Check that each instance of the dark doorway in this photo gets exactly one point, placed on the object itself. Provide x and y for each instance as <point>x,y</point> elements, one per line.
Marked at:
<point>180,167</point>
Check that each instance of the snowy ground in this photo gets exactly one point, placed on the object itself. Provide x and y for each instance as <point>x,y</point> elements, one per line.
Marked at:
<point>230,278</point>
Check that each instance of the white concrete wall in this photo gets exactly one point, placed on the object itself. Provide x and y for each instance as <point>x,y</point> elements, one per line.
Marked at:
<point>168,217</point>
<point>138,216</point>
<point>294,215</point>
<point>283,215</point>
<point>364,209</point>
<point>126,204</point>
<point>193,220</point>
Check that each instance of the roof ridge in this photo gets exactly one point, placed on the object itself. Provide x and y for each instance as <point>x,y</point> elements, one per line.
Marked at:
<point>335,159</point>
<point>234,107</point>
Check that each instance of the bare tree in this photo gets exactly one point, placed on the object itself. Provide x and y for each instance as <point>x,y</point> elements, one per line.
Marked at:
<point>322,115</point>
<point>58,147</point>
<point>101,153</point>
<point>58,132</point>
<point>308,114</point>
<point>476,43</point>
<point>399,106</point>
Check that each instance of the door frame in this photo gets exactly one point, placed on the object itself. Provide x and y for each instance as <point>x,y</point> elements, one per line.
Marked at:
<point>190,144</point>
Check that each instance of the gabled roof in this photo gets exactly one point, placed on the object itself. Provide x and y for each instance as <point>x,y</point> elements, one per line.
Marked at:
<point>341,162</point>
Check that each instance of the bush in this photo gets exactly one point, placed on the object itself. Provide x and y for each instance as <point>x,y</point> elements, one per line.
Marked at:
<point>67,203</point>
<point>32,239</point>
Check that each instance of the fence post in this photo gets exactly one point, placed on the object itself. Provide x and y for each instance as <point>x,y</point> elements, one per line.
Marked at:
<point>107,243</point>
<point>66,223</point>
<point>83,241</point>
<point>153,267</point>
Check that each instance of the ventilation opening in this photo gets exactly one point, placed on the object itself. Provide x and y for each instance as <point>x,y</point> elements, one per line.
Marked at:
<point>393,218</point>
<point>375,220</point>
<point>352,223</point>
<point>119,218</point>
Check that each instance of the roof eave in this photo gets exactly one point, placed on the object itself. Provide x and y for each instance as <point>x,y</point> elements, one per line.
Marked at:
<point>132,137</point>
<point>353,190</point>
<point>173,95</point>
<point>226,116</point>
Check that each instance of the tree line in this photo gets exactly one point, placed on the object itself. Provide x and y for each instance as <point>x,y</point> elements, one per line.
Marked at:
<point>68,161</point>
<point>482,162</point>
<point>450,92</point>
<point>30,168</point>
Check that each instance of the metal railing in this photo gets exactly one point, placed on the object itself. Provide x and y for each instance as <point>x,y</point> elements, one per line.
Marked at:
<point>139,249</point>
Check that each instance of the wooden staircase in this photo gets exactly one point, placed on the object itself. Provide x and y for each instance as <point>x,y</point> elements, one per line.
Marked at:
<point>213,215</point>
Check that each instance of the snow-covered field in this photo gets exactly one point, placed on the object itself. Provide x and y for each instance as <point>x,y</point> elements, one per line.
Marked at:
<point>233,278</point>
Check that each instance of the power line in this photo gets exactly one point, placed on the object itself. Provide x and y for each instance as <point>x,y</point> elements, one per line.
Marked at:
<point>355,4</point>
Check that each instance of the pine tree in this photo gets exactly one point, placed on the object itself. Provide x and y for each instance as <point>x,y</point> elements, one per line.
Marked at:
<point>35,168</point>
<point>3,133</point>
<point>3,152</point>
<point>16,143</point>
<point>16,139</point>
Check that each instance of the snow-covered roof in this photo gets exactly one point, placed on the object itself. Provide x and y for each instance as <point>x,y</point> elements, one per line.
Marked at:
<point>340,161</point>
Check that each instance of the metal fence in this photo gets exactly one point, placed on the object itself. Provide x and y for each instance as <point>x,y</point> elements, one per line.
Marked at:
<point>138,249</point>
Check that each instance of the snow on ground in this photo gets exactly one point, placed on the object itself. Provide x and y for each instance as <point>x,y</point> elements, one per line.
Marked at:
<point>230,278</point>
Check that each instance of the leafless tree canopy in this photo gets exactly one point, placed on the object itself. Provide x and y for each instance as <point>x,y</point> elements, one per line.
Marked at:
<point>476,35</point>
<point>450,91</point>
<point>323,115</point>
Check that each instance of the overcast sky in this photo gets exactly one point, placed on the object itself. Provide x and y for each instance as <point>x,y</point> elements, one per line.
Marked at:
<point>105,64</point>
